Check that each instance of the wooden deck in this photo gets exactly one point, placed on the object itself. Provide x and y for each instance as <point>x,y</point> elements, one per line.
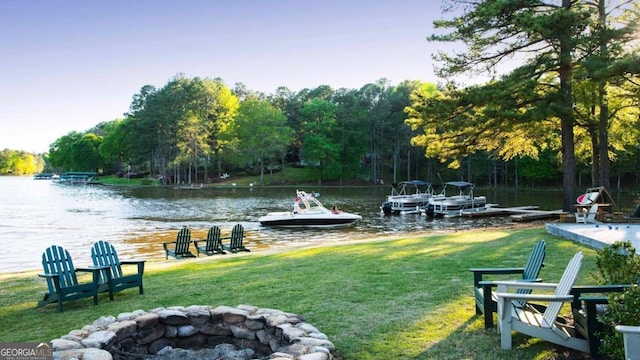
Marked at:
<point>518,213</point>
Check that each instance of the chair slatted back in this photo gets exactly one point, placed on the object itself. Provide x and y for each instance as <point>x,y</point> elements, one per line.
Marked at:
<point>237,236</point>
<point>104,254</point>
<point>183,241</point>
<point>57,260</point>
<point>532,268</point>
<point>214,240</point>
<point>564,288</point>
<point>535,262</point>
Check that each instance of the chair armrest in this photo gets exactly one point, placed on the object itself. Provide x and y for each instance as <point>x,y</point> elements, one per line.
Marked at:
<point>164,245</point>
<point>49,275</point>
<point>486,283</point>
<point>96,269</point>
<point>138,263</point>
<point>577,292</point>
<point>497,270</point>
<point>594,299</point>
<point>92,268</point>
<point>526,285</point>
<point>628,329</point>
<point>479,272</point>
<point>131,262</point>
<point>535,297</point>
<point>586,289</point>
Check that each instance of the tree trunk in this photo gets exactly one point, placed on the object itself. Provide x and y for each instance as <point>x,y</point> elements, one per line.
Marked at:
<point>603,123</point>
<point>567,121</point>
<point>261,172</point>
<point>595,158</point>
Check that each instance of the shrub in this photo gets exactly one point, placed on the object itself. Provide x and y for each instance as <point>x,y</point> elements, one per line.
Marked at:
<point>618,264</point>
<point>623,309</point>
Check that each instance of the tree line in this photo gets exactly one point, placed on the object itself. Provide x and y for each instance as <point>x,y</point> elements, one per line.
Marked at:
<point>196,129</point>
<point>18,162</point>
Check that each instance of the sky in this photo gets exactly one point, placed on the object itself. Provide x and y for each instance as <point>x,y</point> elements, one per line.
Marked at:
<point>67,65</point>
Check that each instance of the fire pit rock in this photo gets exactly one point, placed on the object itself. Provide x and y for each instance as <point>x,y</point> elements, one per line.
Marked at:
<point>197,332</point>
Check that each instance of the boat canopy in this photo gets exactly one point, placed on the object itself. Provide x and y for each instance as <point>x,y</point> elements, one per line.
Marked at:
<point>412,182</point>
<point>463,185</point>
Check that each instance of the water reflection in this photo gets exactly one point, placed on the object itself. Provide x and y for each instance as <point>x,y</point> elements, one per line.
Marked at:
<point>36,214</point>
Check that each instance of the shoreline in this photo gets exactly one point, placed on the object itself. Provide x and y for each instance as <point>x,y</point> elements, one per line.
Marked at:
<point>159,262</point>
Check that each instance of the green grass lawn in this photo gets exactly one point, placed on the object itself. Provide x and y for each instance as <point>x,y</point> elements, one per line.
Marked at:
<point>409,297</point>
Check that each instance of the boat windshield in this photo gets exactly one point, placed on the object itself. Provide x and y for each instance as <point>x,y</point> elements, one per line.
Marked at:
<point>309,202</point>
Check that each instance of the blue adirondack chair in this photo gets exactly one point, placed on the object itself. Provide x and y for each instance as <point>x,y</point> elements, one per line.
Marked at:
<point>62,281</point>
<point>486,301</point>
<point>235,243</point>
<point>212,245</point>
<point>104,254</point>
<point>181,247</point>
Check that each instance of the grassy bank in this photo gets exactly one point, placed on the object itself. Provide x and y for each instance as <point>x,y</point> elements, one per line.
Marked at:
<point>404,298</point>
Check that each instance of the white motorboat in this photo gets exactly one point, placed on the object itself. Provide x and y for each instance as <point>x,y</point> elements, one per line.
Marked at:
<point>407,197</point>
<point>308,211</point>
<point>441,205</point>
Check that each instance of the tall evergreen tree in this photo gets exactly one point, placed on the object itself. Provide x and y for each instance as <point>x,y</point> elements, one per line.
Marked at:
<point>545,33</point>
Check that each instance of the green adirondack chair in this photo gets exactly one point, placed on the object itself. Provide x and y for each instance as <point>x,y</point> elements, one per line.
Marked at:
<point>486,300</point>
<point>589,302</point>
<point>181,247</point>
<point>235,243</point>
<point>104,254</point>
<point>212,245</point>
<point>62,281</point>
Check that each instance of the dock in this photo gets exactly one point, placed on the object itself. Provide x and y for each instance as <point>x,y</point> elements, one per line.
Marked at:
<point>537,215</point>
<point>517,213</point>
<point>189,187</point>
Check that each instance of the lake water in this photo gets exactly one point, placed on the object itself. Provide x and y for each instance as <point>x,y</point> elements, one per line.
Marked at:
<point>35,214</point>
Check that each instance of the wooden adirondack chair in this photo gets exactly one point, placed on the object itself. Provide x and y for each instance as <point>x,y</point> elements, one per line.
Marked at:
<point>486,301</point>
<point>631,336</point>
<point>104,254</point>
<point>588,302</point>
<point>180,246</point>
<point>212,245</point>
<point>529,321</point>
<point>62,281</point>
<point>237,236</point>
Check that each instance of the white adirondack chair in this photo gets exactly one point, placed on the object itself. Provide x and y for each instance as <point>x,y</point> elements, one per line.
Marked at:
<point>631,335</point>
<point>584,216</point>
<point>529,321</point>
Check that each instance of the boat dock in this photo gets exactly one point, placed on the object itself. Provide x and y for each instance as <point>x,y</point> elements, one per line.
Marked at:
<point>517,213</point>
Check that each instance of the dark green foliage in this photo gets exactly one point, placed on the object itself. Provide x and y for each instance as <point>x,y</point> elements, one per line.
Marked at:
<point>623,309</point>
<point>618,264</point>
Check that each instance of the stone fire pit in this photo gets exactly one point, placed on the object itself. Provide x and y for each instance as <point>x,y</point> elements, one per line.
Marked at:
<point>197,332</point>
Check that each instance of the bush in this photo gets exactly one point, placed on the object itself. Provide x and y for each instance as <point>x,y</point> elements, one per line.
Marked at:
<point>623,309</point>
<point>618,264</point>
